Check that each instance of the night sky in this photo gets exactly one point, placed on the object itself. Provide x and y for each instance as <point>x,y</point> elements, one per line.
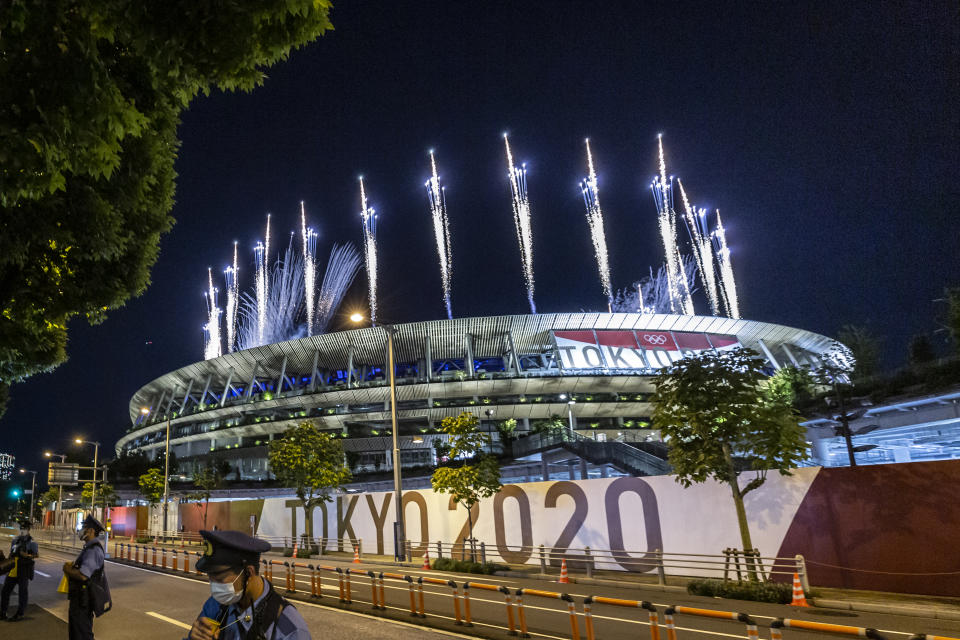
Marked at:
<point>826,135</point>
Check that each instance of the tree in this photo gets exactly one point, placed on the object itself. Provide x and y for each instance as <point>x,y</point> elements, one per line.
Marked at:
<point>51,495</point>
<point>951,315</point>
<point>158,462</point>
<point>151,486</point>
<point>507,430</point>
<point>106,495</point>
<point>720,419</point>
<point>792,385</point>
<point>553,426</point>
<point>921,350</point>
<point>206,479</point>
<point>130,465</point>
<point>865,348</point>
<point>311,462</point>
<point>478,477</point>
<point>93,91</point>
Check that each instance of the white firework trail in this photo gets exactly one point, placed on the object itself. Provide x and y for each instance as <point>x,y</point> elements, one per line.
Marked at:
<point>212,348</point>
<point>261,254</point>
<point>662,188</point>
<point>702,249</point>
<point>309,237</point>
<point>441,230</point>
<point>591,198</point>
<point>342,268</point>
<point>521,220</point>
<point>729,286</point>
<point>231,278</point>
<point>369,218</point>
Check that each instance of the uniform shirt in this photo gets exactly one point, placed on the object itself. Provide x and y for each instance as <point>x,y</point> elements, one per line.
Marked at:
<point>30,547</point>
<point>90,559</point>
<point>290,625</point>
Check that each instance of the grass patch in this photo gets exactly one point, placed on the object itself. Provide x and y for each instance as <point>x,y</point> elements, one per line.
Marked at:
<point>465,566</point>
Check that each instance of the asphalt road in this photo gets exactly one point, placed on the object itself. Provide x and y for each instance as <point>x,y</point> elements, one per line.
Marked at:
<point>149,604</point>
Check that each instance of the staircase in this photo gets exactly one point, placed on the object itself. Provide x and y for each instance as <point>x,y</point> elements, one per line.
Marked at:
<point>623,456</point>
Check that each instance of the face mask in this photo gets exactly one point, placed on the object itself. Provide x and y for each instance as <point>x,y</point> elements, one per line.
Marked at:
<point>223,592</point>
<point>24,533</point>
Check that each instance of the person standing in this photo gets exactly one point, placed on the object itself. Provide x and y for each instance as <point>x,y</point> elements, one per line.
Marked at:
<point>79,572</point>
<point>24,550</point>
<point>242,604</point>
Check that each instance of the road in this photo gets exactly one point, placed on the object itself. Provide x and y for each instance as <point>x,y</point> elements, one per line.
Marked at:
<point>149,604</point>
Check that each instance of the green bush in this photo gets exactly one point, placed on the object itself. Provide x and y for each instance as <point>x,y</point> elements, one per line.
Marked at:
<point>301,553</point>
<point>465,566</point>
<point>776,592</point>
<point>144,540</point>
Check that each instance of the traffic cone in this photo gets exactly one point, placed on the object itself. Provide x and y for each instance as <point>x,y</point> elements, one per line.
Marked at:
<point>295,545</point>
<point>356,555</point>
<point>799,600</point>
<point>563,572</point>
<point>426,559</point>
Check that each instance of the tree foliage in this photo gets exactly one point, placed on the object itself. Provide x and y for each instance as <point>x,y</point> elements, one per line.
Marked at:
<point>151,486</point>
<point>312,463</point>
<point>106,494</point>
<point>921,350</point>
<point>479,475</point>
<point>722,417</point>
<point>865,347</point>
<point>206,479</point>
<point>93,91</point>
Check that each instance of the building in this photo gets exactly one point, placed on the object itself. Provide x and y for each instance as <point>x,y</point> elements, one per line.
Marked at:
<point>592,369</point>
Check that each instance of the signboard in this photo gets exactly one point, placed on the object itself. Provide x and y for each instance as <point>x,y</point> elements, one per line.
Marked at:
<point>66,474</point>
<point>633,349</point>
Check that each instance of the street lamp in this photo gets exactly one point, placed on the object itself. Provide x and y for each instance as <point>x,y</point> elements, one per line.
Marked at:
<point>63,459</point>
<point>96,453</point>
<point>398,528</point>
<point>166,469</point>
<point>570,404</point>
<point>33,490</point>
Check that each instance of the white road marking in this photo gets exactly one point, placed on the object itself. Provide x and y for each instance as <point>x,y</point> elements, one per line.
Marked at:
<point>41,573</point>
<point>176,623</point>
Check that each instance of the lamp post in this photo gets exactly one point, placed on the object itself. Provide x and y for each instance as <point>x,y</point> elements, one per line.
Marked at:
<point>398,528</point>
<point>96,453</point>
<point>166,469</point>
<point>63,459</point>
<point>33,490</point>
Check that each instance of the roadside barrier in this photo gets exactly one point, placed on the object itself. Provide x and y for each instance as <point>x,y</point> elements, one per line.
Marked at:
<point>163,558</point>
<point>456,599</point>
<point>925,636</point>
<point>373,589</point>
<point>553,595</point>
<point>652,617</point>
<point>841,629</point>
<point>174,561</point>
<point>752,632</point>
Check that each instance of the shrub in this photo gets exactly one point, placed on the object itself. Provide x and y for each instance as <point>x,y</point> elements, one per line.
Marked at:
<point>776,592</point>
<point>465,566</point>
<point>144,540</point>
<point>301,552</point>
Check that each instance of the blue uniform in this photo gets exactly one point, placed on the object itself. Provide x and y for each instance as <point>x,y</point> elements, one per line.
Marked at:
<point>23,577</point>
<point>235,624</point>
<point>80,613</point>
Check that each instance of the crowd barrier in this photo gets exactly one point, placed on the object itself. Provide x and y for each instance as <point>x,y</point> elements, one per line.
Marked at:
<point>293,574</point>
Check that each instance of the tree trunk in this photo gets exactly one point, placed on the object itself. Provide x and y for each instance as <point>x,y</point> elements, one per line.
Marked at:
<point>470,522</point>
<point>308,508</point>
<point>741,511</point>
<point>206,510</point>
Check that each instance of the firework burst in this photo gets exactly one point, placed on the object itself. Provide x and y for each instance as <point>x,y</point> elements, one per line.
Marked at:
<point>591,198</point>
<point>309,237</point>
<point>212,348</point>
<point>702,249</point>
<point>728,285</point>
<point>369,218</point>
<point>231,278</point>
<point>441,230</point>
<point>521,219</point>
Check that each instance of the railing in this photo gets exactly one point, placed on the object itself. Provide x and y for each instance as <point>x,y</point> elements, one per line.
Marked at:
<point>620,454</point>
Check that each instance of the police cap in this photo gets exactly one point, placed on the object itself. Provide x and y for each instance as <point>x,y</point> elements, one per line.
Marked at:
<point>92,523</point>
<point>229,549</point>
<point>25,524</point>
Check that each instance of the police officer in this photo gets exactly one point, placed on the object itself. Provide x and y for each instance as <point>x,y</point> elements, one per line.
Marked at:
<point>24,549</point>
<point>90,560</point>
<point>242,605</point>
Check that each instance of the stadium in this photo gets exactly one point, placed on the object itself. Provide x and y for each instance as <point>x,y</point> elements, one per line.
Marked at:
<point>593,370</point>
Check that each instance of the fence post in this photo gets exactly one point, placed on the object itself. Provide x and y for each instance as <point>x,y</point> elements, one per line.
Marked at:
<point>661,572</point>
<point>775,630</point>
<point>163,558</point>
<point>668,623</point>
<point>572,610</point>
<point>346,580</point>
<point>588,616</point>
<point>373,589</point>
<point>589,562</point>
<point>483,553</point>
<point>174,554</point>
<point>420,596</point>
<point>381,595</point>
<point>456,602</point>
<point>439,549</point>
<point>343,597</point>
<point>413,601</point>
<point>653,618</point>
<point>511,627</point>
<point>726,563</point>
<point>543,561</point>
<point>153,557</point>
<point>465,592</point>
<point>409,547</point>
<point>802,570</point>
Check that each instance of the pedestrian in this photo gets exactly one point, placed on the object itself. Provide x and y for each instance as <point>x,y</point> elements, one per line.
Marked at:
<point>79,573</point>
<point>242,604</point>
<point>24,550</point>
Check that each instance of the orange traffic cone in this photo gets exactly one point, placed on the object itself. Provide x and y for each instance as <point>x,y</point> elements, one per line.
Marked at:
<point>426,559</point>
<point>563,573</point>
<point>356,555</point>
<point>799,600</point>
<point>295,545</point>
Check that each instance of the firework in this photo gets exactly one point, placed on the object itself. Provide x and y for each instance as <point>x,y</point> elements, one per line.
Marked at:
<point>728,285</point>
<point>309,237</point>
<point>441,230</point>
<point>369,219</point>
<point>231,278</point>
<point>212,349</point>
<point>521,219</point>
<point>702,249</point>
<point>591,198</point>
<point>667,220</point>
<point>342,268</point>
<point>261,253</point>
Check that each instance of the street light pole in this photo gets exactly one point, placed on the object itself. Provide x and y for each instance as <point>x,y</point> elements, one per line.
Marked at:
<point>398,533</point>
<point>96,453</point>
<point>63,459</point>
<point>166,477</point>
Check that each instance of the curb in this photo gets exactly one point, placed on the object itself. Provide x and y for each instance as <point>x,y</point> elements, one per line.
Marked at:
<point>894,609</point>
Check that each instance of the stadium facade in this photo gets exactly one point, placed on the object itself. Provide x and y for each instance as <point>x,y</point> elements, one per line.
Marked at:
<point>593,369</point>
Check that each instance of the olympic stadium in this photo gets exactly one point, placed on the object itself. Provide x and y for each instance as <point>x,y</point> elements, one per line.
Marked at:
<point>595,370</point>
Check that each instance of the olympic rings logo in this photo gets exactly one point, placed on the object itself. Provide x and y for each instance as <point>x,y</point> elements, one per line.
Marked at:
<point>655,339</point>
